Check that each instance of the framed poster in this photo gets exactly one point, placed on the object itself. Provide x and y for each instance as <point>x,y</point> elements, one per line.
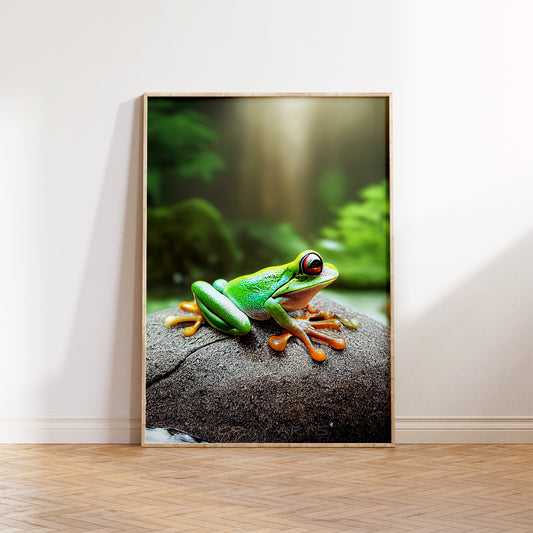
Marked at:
<point>267,270</point>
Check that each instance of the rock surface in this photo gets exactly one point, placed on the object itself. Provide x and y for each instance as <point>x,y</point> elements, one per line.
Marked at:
<point>218,388</point>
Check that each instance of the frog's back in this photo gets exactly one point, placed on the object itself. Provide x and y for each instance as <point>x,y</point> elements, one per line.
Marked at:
<point>251,292</point>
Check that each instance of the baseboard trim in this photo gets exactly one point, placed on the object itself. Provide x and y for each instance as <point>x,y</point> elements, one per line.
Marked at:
<point>409,430</point>
<point>464,430</point>
<point>70,430</point>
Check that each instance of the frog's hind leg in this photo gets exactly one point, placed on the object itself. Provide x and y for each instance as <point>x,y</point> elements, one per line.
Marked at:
<point>219,310</point>
<point>196,317</point>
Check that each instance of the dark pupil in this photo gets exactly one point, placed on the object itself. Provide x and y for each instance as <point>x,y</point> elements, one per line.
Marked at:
<point>313,264</point>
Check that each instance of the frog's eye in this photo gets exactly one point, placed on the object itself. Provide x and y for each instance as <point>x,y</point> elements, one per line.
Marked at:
<point>311,264</point>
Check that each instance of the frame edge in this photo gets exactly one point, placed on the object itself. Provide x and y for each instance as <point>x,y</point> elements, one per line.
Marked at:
<point>388,95</point>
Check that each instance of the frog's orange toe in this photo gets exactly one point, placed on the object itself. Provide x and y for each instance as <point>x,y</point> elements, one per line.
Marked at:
<point>338,344</point>
<point>325,324</point>
<point>279,343</point>
<point>197,318</point>
<point>171,320</point>
<point>191,330</point>
<point>190,307</point>
<point>318,355</point>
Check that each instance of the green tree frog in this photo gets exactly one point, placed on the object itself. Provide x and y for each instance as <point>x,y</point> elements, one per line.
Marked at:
<point>280,292</point>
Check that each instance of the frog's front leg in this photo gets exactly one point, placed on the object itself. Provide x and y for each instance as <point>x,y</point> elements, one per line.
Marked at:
<point>302,328</point>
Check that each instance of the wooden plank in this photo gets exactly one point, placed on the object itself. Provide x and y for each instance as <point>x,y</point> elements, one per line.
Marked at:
<point>410,488</point>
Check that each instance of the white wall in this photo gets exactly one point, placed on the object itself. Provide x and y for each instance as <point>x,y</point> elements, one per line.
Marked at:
<point>71,77</point>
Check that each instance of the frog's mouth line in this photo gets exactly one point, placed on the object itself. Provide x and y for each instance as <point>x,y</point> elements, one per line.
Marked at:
<point>298,299</point>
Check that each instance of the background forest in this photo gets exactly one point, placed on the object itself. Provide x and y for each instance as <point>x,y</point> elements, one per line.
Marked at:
<point>238,184</point>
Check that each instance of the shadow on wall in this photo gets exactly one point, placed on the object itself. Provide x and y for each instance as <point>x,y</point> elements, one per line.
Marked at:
<point>102,372</point>
<point>472,353</point>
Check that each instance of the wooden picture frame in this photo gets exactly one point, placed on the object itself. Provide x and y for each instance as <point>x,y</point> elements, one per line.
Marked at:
<point>217,390</point>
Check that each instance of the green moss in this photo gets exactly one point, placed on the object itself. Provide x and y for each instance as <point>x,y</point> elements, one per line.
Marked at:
<point>188,241</point>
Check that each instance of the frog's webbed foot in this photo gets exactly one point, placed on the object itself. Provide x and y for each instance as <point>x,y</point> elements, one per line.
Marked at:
<point>318,324</point>
<point>315,314</point>
<point>196,317</point>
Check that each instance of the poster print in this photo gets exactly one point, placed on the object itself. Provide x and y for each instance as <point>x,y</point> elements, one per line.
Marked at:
<point>267,270</point>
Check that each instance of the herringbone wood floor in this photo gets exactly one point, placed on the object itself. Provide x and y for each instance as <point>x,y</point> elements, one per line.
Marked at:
<point>423,488</point>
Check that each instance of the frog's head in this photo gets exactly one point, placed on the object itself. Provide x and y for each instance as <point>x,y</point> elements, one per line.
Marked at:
<point>308,274</point>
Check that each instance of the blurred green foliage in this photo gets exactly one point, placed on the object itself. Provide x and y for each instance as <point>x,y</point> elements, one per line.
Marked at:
<point>358,241</point>
<point>189,240</point>
<point>180,145</point>
<point>186,242</point>
<point>332,189</point>
<point>265,244</point>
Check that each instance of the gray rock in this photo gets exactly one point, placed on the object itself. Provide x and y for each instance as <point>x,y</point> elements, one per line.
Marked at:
<point>237,389</point>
